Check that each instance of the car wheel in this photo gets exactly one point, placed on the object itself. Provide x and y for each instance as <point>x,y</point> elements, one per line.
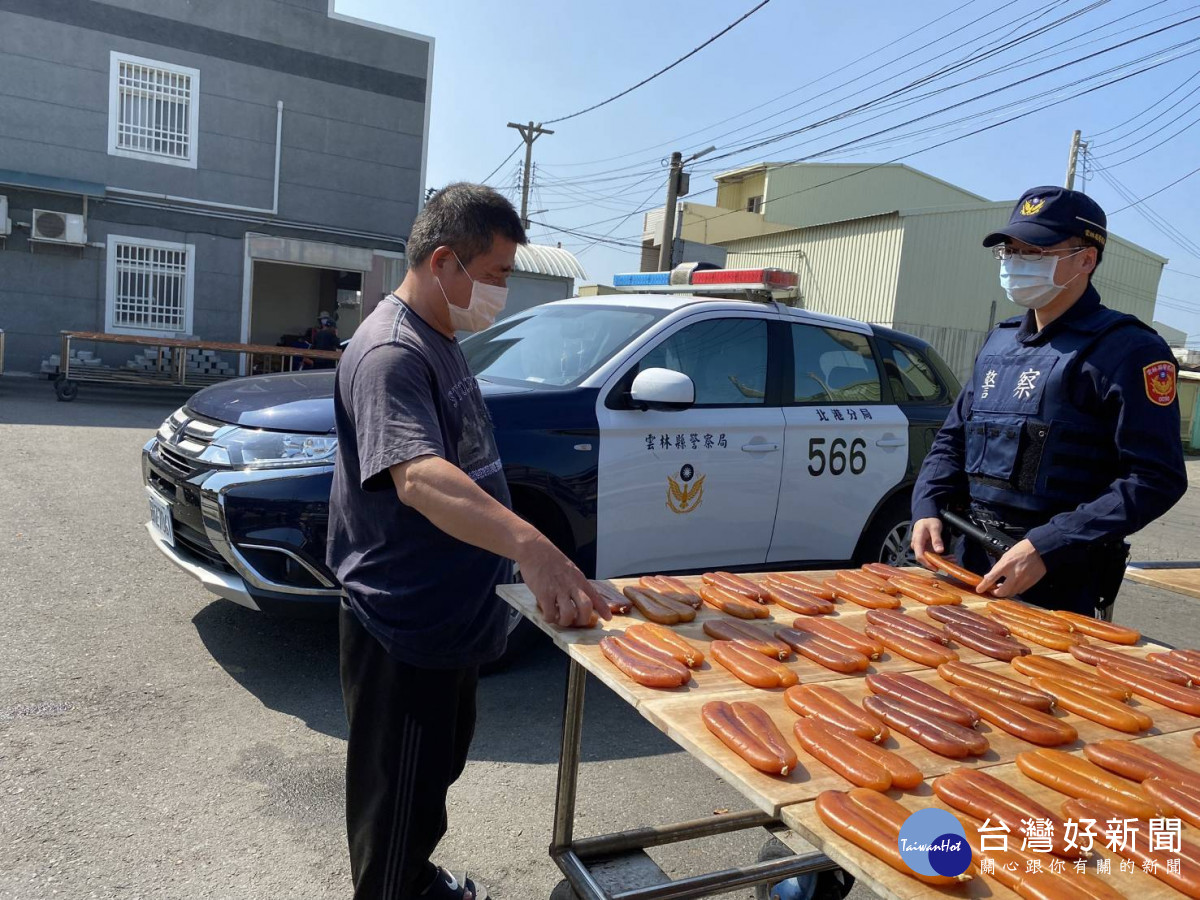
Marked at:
<point>897,545</point>
<point>889,538</point>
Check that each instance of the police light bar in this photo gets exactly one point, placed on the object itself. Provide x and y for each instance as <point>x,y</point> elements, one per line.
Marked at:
<point>775,279</point>
<point>688,278</point>
<point>641,279</point>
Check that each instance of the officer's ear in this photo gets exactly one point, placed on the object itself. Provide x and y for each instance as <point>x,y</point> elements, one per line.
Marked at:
<point>1091,258</point>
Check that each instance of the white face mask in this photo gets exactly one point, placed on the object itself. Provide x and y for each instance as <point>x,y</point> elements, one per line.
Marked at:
<point>487,302</point>
<point>1030,283</point>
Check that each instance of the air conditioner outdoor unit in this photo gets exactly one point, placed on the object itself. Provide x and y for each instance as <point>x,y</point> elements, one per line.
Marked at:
<point>5,222</point>
<point>58,228</point>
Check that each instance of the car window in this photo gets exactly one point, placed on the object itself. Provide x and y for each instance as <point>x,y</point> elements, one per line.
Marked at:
<point>911,377</point>
<point>725,358</point>
<point>833,366</point>
<point>555,346</point>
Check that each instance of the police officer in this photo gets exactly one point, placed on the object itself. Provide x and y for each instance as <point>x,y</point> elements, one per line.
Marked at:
<point>1066,438</point>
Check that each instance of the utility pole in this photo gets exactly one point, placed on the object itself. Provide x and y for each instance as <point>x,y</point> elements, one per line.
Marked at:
<point>1076,146</point>
<point>667,244</point>
<point>678,185</point>
<point>529,133</point>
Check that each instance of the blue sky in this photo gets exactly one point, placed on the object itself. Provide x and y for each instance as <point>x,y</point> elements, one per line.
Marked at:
<point>539,60</point>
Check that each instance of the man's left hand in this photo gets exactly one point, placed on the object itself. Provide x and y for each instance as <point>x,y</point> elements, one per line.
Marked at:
<point>1017,570</point>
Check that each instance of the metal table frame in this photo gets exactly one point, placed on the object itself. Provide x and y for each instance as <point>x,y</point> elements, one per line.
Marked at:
<point>572,854</point>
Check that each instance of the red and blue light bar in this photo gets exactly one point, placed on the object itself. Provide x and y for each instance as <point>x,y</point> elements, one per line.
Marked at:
<point>764,278</point>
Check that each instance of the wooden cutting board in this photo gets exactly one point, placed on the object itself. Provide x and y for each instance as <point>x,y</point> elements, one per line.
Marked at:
<point>677,714</point>
<point>892,885</point>
<point>1184,580</point>
<point>679,718</point>
<point>711,679</point>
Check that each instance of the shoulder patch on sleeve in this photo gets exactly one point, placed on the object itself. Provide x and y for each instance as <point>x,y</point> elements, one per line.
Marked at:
<point>1160,382</point>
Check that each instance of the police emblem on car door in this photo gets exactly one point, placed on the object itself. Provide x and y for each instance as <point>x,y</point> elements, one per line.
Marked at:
<point>683,494</point>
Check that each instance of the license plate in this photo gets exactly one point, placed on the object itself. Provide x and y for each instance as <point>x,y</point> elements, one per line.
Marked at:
<point>160,518</point>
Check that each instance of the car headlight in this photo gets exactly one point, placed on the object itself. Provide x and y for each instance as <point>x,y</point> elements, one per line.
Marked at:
<point>249,448</point>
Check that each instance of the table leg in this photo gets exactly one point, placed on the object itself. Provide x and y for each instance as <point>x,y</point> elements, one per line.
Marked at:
<point>568,760</point>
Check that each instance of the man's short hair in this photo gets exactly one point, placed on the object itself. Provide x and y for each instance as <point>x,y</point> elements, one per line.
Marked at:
<point>465,217</point>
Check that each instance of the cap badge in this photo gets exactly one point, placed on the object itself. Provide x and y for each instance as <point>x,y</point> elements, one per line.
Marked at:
<point>1033,206</point>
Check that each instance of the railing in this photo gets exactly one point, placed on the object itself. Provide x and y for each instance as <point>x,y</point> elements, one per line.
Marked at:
<point>169,365</point>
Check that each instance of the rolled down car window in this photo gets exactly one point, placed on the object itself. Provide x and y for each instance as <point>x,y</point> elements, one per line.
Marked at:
<point>556,346</point>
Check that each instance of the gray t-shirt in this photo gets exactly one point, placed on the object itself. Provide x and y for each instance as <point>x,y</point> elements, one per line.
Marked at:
<point>404,391</point>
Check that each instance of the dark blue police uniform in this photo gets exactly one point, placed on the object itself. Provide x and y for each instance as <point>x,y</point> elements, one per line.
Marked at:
<point>1067,436</point>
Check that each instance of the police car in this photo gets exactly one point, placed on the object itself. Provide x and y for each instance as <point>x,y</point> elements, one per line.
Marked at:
<point>693,420</point>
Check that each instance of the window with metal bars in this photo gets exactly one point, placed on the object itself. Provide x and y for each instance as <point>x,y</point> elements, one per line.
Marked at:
<point>150,286</point>
<point>153,110</point>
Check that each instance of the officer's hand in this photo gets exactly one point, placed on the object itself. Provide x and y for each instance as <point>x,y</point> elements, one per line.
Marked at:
<point>563,595</point>
<point>1017,570</point>
<point>927,535</point>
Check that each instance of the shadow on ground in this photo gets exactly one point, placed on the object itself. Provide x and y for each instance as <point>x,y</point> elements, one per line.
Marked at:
<point>31,401</point>
<point>291,666</point>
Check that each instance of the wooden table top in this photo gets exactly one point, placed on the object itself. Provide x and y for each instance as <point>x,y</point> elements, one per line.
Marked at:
<point>892,885</point>
<point>1182,578</point>
<point>677,714</point>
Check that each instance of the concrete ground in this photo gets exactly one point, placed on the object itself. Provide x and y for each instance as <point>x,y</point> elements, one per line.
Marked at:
<point>158,742</point>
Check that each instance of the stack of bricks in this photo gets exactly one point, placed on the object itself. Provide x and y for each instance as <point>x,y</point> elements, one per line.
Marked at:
<point>79,359</point>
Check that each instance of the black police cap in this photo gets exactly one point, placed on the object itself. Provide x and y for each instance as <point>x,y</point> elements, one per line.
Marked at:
<point>1049,215</point>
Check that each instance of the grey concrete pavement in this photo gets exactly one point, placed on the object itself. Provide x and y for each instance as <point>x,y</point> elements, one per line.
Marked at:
<point>157,742</point>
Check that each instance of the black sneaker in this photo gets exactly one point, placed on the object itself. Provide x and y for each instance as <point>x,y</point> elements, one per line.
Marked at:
<point>446,887</point>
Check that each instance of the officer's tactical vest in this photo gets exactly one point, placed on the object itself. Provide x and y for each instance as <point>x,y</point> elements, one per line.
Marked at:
<point>1027,445</point>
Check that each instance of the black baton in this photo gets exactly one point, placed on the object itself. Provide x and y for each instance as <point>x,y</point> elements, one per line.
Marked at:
<point>994,541</point>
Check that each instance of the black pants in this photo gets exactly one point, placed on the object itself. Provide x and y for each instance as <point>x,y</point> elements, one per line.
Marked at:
<point>1079,592</point>
<point>410,730</point>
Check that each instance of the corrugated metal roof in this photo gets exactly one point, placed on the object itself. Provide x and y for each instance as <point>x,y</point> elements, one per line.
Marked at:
<point>538,259</point>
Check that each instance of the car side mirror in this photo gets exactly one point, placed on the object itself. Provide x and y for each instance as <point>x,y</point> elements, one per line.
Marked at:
<point>662,389</point>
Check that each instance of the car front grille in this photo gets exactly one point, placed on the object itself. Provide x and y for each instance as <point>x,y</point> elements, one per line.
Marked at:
<point>175,461</point>
<point>197,544</point>
<point>181,439</point>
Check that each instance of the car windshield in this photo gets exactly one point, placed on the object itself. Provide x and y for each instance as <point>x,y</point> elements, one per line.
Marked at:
<point>555,346</point>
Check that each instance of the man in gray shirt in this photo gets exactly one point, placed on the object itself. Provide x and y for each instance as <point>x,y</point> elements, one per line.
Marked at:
<point>420,533</point>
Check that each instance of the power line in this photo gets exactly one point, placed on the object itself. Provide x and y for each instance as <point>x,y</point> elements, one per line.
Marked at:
<point>1129,159</point>
<point>598,177</point>
<point>599,239</point>
<point>502,163</point>
<point>970,59</point>
<point>875,69</point>
<point>975,116</point>
<point>720,138</point>
<point>927,79</point>
<point>1156,221</point>
<point>663,70</point>
<point>1156,193</point>
<point>966,135</point>
<point>913,85</point>
<point>644,206</point>
<point>1043,73</point>
<point>1091,138</point>
<point>960,137</point>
